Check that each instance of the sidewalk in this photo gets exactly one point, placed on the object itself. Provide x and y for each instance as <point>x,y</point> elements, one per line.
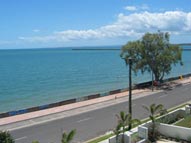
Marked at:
<point>75,108</point>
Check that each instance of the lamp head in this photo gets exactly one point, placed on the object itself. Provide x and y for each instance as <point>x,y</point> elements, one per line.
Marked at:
<point>130,60</point>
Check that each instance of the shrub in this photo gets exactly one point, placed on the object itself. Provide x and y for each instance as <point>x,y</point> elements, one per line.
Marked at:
<point>67,138</point>
<point>189,139</point>
<point>35,142</point>
<point>5,137</point>
<point>177,138</point>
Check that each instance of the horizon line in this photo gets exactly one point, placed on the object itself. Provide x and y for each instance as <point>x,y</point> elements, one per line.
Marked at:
<point>83,47</point>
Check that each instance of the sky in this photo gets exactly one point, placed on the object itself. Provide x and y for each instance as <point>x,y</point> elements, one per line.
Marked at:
<point>77,23</point>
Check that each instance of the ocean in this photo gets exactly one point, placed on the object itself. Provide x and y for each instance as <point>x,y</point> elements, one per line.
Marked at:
<point>36,77</point>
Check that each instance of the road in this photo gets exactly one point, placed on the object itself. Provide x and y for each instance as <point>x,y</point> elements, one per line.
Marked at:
<point>97,122</point>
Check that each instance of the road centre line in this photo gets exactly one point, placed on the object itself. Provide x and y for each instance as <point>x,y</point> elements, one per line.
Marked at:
<point>21,138</point>
<point>84,120</point>
<point>162,96</point>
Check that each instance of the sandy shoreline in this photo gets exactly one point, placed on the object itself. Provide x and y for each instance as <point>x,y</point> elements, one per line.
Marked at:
<point>54,110</point>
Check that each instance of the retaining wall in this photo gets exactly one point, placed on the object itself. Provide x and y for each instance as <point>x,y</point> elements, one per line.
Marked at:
<point>169,130</point>
<point>174,131</point>
<point>127,138</point>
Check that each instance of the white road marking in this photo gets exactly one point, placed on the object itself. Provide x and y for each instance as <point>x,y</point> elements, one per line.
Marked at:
<point>21,138</point>
<point>162,96</point>
<point>83,120</point>
<point>32,121</point>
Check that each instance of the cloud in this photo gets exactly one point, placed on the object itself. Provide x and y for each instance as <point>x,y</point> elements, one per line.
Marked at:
<point>176,21</point>
<point>130,26</point>
<point>36,30</point>
<point>131,8</point>
<point>136,8</point>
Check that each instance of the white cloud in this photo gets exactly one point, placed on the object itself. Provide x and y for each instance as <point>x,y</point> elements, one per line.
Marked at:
<point>146,21</point>
<point>77,34</point>
<point>38,38</point>
<point>36,30</point>
<point>136,8</point>
<point>132,25</point>
<point>131,8</point>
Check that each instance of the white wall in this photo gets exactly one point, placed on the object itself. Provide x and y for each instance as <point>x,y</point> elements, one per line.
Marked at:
<point>174,131</point>
<point>126,135</point>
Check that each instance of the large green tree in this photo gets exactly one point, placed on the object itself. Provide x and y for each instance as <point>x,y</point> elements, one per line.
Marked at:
<point>153,53</point>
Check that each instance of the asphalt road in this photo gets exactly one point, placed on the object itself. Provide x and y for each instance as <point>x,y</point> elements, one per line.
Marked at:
<point>98,122</point>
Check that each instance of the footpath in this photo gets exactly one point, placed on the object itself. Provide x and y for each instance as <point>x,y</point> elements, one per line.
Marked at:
<point>47,115</point>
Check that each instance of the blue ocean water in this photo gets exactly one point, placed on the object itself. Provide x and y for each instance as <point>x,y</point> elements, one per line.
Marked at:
<point>40,76</point>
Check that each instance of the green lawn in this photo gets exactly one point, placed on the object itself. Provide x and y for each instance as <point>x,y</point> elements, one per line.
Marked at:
<point>185,122</point>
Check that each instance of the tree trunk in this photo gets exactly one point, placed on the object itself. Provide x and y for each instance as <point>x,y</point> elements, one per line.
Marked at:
<point>162,76</point>
<point>156,77</point>
<point>156,74</point>
<point>123,136</point>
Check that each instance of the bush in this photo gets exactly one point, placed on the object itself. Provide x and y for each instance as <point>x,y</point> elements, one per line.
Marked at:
<point>189,139</point>
<point>171,119</point>
<point>5,137</point>
<point>35,142</point>
<point>153,135</point>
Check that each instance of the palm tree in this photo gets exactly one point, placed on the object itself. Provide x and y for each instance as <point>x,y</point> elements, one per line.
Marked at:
<point>124,120</point>
<point>67,138</point>
<point>117,132</point>
<point>153,109</point>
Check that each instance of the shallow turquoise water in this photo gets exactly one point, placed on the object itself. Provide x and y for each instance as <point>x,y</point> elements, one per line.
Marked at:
<point>40,76</point>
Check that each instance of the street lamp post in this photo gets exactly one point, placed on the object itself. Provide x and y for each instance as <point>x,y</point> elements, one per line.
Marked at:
<point>152,75</point>
<point>130,90</point>
<point>152,82</point>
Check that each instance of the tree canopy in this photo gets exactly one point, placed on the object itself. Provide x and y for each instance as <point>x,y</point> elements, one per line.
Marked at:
<point>153,53</point>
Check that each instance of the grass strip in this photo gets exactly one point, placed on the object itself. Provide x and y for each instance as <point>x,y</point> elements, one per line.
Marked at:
<point>185,122</point>
<point>102,138</point>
